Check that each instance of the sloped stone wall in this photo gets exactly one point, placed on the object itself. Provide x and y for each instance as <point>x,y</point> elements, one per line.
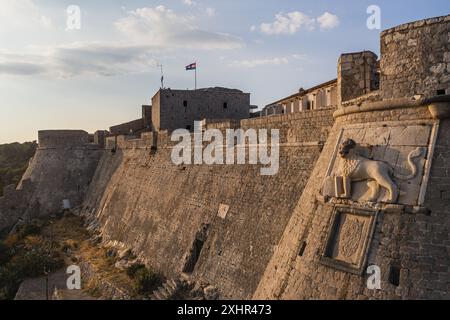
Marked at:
<point>409,244</point>
<point>158,209</point>
<point>62,168</point>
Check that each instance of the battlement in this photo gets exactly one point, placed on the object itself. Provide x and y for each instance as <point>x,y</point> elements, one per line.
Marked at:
<point>306,232</point>
<point>62,138</point>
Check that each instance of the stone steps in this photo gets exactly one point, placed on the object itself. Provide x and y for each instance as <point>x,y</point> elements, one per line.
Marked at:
<point>166,290</point>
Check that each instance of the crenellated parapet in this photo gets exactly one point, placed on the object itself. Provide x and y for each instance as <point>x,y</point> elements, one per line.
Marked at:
<point>62,138</point>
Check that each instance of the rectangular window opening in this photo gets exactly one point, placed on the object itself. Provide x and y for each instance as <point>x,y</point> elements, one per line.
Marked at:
<point>302,249</point>
<point>394,275</point>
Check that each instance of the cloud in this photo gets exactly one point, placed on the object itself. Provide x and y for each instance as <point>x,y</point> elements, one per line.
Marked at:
<point>189,2</point>
<point>22,14</point>
<point>210,12</point>
<point>78,59</point>
<point>259,62</point>
<point>147,33</point>
<point>288,23</point>
<point>292,22</point>
<point>276,61</point>
<point>328,21</point>
<point>161,27</point>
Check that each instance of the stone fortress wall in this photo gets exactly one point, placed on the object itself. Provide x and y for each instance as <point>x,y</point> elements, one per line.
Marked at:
<point>145,202</point>
<point>307,232</point>
<point>178,109</point>
<point>61,169</point>
<point>416,59</point>
<point>333,234</point>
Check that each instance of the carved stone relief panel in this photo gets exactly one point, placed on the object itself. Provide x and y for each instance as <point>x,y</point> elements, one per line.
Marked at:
<point>381,162</point>
<point>223,210</point>
<point>349,239</point>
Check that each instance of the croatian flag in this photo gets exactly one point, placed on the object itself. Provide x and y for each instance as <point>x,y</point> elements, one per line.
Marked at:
<point>192,66</point>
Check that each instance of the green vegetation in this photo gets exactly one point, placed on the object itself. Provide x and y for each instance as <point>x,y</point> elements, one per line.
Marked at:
<point>25,254</point>
<point>14,158</point>
<point>47,244</point>
<point>145,281</point>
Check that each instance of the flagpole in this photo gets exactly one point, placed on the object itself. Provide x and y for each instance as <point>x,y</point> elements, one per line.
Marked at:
<point>195,75</point>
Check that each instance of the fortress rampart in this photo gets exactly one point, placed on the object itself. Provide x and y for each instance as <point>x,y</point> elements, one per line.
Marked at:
<point>133,191</point>
<point>62,138</point>
<point>61,169</point>
<point>311,230</point>
<point>339,228</point>
<point>416,59</point>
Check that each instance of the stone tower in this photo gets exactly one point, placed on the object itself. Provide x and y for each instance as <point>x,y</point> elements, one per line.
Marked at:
<point>380,192</point>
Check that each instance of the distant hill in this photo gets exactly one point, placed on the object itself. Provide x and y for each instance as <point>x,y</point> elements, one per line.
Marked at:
<point>14,158</point>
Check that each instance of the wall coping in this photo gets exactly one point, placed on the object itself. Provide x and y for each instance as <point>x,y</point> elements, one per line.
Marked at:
<point>443,101</point>
<point>416,24</point>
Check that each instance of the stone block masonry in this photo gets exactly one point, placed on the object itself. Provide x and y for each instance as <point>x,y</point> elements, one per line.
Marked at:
<point>178,109</point>
<point>416,59</point>
<point>292,235</point>
<point>330,240</point>
<point>62,168</point>
<point>157,208</point>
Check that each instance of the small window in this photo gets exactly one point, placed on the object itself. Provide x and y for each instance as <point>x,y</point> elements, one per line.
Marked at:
<point>394,275</point>
<point>188,127</point>
<point>185,103</point>
<point>302,249</point>
<point>225,105</point>
<point>308,105</point>
<point>441,92</point>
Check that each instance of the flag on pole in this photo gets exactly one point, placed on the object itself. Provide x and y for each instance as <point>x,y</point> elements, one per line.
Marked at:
<point>192,66</point>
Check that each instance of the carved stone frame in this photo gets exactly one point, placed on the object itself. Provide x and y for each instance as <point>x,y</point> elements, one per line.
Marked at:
<point>334,231</point>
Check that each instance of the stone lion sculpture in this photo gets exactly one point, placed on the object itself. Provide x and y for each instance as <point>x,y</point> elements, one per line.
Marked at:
<point>358,168</point>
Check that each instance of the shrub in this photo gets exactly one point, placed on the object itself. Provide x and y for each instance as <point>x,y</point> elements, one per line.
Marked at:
<point>147,281</point>
<point>135,267</point>
<point>11,240</point>
<point>31,264</point>
<point>9,282</point>
<point>5,253</point>
<point>28,230</point>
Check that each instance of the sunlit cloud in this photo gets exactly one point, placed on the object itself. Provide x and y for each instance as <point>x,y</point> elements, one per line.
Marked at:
<point>292,22</point>
<point>162,27</point>
<point>328,21</point>
<point>22,14</point>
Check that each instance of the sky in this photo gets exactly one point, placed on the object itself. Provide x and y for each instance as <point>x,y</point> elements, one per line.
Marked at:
<point>84,64</point>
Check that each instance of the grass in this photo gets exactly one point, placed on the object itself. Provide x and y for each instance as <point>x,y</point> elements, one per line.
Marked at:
<point>52,243</point>
<point>25,255</point>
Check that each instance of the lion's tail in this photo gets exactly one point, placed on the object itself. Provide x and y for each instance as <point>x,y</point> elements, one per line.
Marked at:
<point>412,155</point>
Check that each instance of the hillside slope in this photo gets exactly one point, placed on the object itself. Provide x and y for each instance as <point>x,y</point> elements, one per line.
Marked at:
<point>14,159</point>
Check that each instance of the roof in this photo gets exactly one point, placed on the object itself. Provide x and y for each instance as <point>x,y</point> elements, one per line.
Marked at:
<point>210,89</point>
<point>302,93</point>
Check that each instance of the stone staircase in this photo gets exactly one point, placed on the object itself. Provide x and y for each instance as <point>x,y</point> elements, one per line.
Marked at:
<point>167,290</point>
